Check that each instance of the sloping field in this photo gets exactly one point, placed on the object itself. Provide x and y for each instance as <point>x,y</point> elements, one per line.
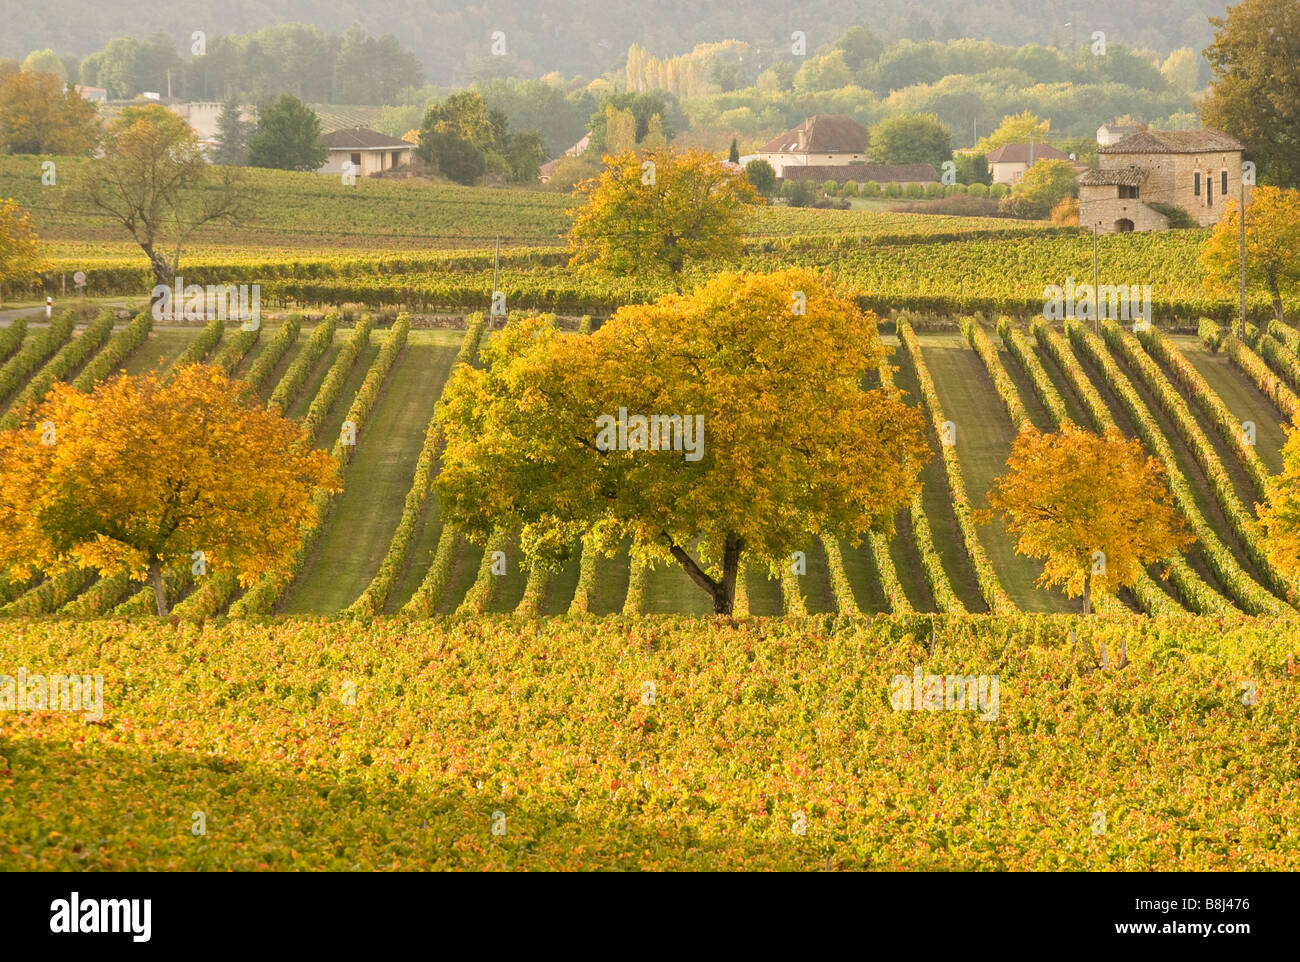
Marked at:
<point>1223,572</point>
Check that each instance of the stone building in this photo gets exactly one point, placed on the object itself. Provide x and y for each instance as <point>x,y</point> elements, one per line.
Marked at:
<point>1197,170</point>
<point>823,140</point>
<point>1008,163</point>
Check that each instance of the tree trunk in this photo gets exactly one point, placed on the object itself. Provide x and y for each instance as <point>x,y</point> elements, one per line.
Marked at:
<point>1277,299</point>
<point>1087,593</point>
<point>162,270</point>
<point>159,589</point>
<point>722,592</point>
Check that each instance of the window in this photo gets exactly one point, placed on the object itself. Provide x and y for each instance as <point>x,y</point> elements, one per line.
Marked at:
<point>1209,191</point>
<point>1128,191</point>
<point>1196,184</point>
<point>356,160</point>
<point>1223,183</point>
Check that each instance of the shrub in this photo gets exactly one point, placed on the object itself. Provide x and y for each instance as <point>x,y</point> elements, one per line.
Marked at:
<point>893,190</point>
<point>934,190</point>
<point>913,190</point>
<point>869,189</point>
<point>1177,216</point>
<point>978,190</point>
<point>999,190</point>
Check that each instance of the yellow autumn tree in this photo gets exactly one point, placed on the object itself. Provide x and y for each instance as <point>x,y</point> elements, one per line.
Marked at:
<point>651,214</point>
<point>704,428</point>
<point>143,473</point>
<point>1272,247</point>
<point>1095,507</point>
<point>20,252</point>
<point>1279,516</point>
<point>1015,129</point>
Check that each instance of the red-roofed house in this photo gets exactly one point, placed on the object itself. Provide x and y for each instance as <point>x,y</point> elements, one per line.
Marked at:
<point>1008,163</point>
<point>823,140</point>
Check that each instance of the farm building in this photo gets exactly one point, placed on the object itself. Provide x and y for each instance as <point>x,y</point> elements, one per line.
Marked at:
<point>369,151</point>
<point>1108,134</point>
<point>1197,170</point>
<point>824,140</point>
<point>1008,163</point>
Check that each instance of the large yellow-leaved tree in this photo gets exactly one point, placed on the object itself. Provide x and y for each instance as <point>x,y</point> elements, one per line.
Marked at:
<point>1094,506</point>
<point>1272,247</point>
<point>142,474</point>
<point>708,428</point>
<point>650,214</point>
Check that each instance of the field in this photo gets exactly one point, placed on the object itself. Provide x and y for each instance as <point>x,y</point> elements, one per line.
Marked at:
<point>768,745</point>
<point>407,243</point>
<point>525,693</point>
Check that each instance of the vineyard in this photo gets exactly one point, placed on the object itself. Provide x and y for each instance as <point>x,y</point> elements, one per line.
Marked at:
<point>408,244</point>
<point>381,545</point>
<point>359,745</point>
<point>396,688</point>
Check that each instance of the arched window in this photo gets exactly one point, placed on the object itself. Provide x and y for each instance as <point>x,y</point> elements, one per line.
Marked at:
<point>1123,225</point>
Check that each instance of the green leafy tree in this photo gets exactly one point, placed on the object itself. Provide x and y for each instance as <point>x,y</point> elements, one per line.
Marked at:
<point>1255,93</point>
<point>762,176</point>
<point>287,137</point>
<point>233,133</point>
<point>911,139</point>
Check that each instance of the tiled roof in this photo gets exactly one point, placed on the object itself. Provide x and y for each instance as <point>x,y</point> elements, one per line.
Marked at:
<point>1019,154</point>
<point>1121,176</point>
<point>821,134</point>
<point>362,138</point>
<point>861,173</point>
<point>1173,142</point>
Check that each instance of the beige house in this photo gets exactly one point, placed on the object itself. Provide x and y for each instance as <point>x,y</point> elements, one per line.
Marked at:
<point>823,140</point>
<point>1197,170</point>
<point>369,151</point>
<point>1008,163</point>
<point>1108,134</point>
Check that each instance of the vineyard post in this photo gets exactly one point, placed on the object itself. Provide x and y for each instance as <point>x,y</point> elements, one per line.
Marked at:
<point>1095,323</point>
<point>496,270</point>
<point>1241,262</point>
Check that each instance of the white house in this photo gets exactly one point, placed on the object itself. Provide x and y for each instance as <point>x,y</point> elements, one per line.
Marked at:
<point>820,141</point>
<point>1008,163</point>
<point>1108,134</point>
<point>369,151</point>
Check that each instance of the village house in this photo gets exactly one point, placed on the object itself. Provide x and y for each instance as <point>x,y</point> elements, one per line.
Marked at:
<point>1008,163</point>
<point>1108,134</point>
<point>96,95</point>
<point>1197,170</point>
<point>824,140</point>
<point>369,151</point>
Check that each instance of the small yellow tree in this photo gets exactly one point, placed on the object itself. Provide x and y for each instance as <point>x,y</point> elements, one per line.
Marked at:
<point>20,254</point>
<point>650,214</point>
<point>1272,246</point>
<point>1279,516</point>
<point>142,474</point>
<point>1094,506</point>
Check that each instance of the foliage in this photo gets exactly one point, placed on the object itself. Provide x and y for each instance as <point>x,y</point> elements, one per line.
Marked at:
<point>523,438</point>
<point>1279,516</point>
<point>652,221</point>
<point>761,176</point>
<point>287,137</point>
<point>141,476</point>
<point>911,139</point>
<point>1255,87</point>
<point>1070,494</point>
<point>153,181</point>
<point>39,116</point>
<point>20,251</point>
<point>1015,129</point>
<point>233,134</point>
<point>1272,247</point>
